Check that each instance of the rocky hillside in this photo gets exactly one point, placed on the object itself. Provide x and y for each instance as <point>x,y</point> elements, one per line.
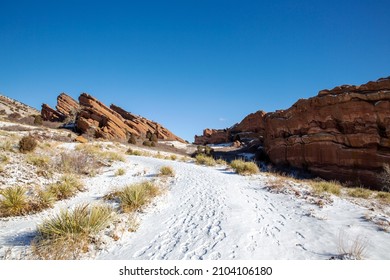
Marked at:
<point>92,117</point>
<point>342,134</point>
<point>10,106</point>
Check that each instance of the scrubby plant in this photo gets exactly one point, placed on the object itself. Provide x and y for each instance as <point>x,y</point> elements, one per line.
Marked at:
<point>120,172</point>
<point>167,171</point>
<point>153,138</point>
<point>77,162</point>
<point>134,197</point>
<point>27,144</point>
<point>385,178</point>
<point>359,192</point>
<point>383,196</point>
<point>134,152</point>
<point>38,160</point>
<point>147,143</point>
<point>244,168</point>
<point>4,159</point>
<point>68,234</point>
<point>7,146</point>
<point>14,201</point>
<point>132,140</point>
<point>66,187</point>
<point>173,157</point>
<point>38,120</point>
<point>221,161</point>
<point>205,160</point>
<point>352,248</point>
<point>332,187</point>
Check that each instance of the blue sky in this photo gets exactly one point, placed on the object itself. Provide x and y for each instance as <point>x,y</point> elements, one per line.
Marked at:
<point>190,64</point>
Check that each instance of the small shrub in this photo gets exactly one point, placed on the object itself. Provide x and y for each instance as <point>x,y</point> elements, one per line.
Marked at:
<point>147,143</point>
<point>383,196</point>
<point>67,187</point>
<point>153,144</point>
<point>133,152</point>
<point>4,159</point>
<point>167,171</point>
<point>134,197</point>
<point>37,160</point>
<point>205,160</point>
<point>38,120</point>
<point>244,168</point>
<point>68,234</point>
<point>359,192</point>
<point>77,162</point>
<point>120,172</point>
<point>112,156</point>
<point>173,157</point>
<point>45,199</point>
<point>153,138</point>
<point>221,162</point>
<point>352,248</point>
<point>327,187</point>
<point>385,178</point>
<point>13,202</point>
<point>132,140</point>
<point>27,144</point>
<point>7,146</point>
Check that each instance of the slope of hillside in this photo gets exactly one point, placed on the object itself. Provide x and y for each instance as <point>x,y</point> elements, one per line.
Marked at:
<point>9,106</point>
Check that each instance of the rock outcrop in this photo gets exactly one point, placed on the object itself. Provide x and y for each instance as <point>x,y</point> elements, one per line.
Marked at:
<point>51,115</point>
<point>342,134</point>
<point>213,136</point>
<point>66,108</point>
<point>251,127</point>
<point>95,119</point>
<point>66,105</point>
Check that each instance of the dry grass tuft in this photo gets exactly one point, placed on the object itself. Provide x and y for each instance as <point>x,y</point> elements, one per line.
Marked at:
<point>77,162</point>
<point>134,197</point>
<point>244,168</point>
<point>359,192</point>
<point>67,187</point>
<point>120,172</point>
<point>205,160</point>
<point>14,202</point>
<point>38,160</point>
<point>132,152</point>
<point>68,234</point>
<point>173,157</point>
<point>352,248</point>
<point>167,171</point>
<point>384,197</point>
<point>332,187</point>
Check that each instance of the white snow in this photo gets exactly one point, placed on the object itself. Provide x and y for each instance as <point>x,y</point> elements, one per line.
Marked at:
<point>212,213</point>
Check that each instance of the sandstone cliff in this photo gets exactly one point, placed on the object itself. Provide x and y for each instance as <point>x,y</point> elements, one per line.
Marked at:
<point>341,134</point>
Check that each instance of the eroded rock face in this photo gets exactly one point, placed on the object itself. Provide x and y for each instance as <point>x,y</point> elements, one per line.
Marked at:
<point>66,105</point>
<point>213,136</point>
<point>51,115</point>
<point>342,134</point>
<point>142,125</point>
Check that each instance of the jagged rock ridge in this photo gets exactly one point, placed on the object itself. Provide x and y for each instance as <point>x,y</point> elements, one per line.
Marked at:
<point>92,117</point>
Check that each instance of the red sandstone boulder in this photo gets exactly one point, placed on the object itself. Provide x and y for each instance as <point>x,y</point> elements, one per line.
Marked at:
<point>66,105</point>
<point>49,114</point>
<point>213,136</point>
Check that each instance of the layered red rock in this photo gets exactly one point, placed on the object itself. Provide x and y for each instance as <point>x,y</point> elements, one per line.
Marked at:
<point>66,105</point>
<point>213,136</point>
<point>252,123</point>
<point>49,114</point>
<point>341,134</point>
<point>143,125</point>
<point>115,123</point>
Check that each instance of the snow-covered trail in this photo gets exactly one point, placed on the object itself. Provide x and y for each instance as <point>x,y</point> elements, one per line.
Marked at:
<point>211,213</point>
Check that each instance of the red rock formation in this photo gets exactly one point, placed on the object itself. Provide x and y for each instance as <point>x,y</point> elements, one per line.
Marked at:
<point>213,136</point>
<point>49,114</point>
<point>115,123</point>
<point>341,134</point>
<point>66,105</point>
<point>143,125</point>
<point>252,123</point>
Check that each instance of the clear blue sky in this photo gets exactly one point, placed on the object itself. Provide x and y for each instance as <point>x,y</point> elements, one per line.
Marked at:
<point>190,64</point>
